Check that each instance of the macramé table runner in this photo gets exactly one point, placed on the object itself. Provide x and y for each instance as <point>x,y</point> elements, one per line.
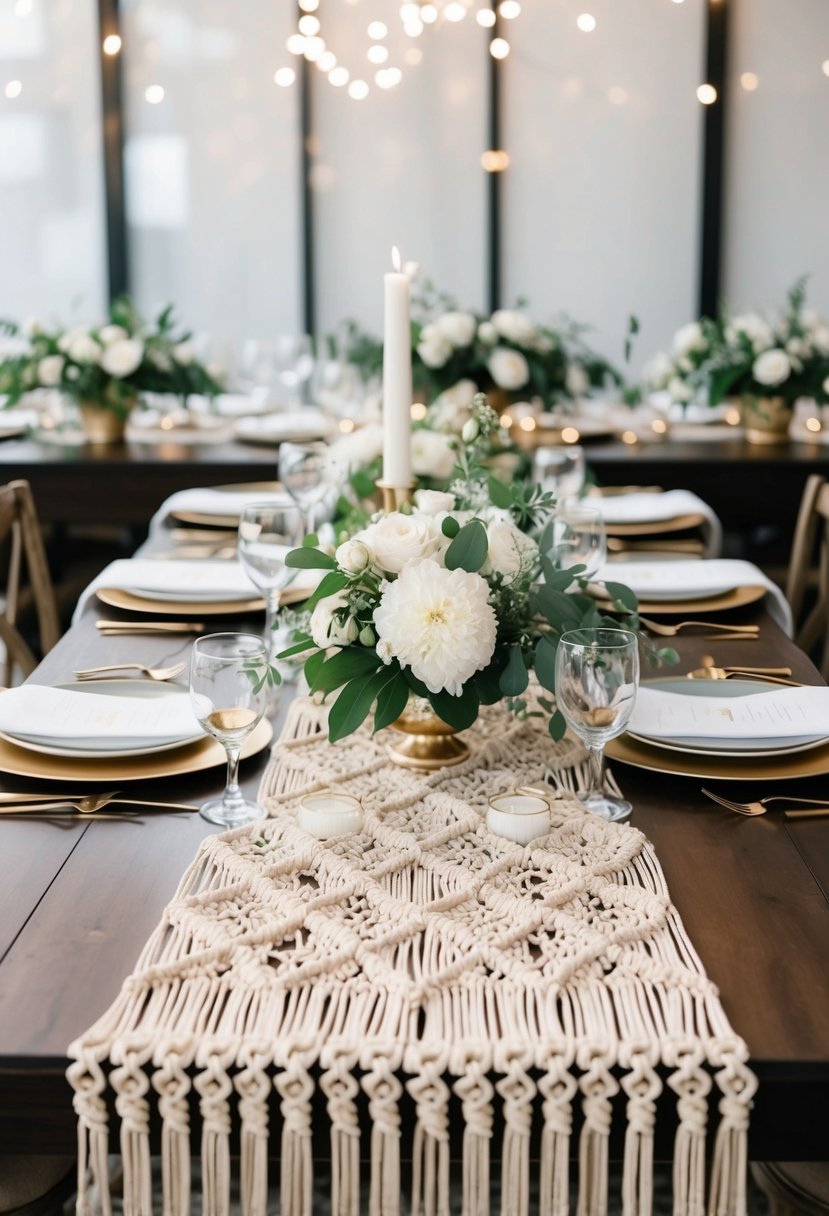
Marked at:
<point>430,965</point>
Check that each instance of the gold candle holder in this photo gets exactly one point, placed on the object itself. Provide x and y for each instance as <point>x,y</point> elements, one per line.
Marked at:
<point>394,497</point>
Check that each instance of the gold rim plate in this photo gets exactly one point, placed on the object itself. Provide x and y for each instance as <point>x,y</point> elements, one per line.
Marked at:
<point>737,598</point>
<point>628,750</point>
<point>224,521</point>
<point>116,597</point>
<point>655,527</point>
<point>193,758</point>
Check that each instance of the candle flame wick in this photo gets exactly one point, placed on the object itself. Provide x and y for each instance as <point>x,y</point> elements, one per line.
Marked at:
<point>395,258</point>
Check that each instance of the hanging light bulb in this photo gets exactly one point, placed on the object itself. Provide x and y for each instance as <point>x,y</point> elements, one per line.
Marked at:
<point>499,48</point>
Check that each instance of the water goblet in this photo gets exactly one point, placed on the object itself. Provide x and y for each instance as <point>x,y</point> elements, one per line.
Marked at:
<point>294,362</point>
<point>597,675</point>
<point>228,692</point>
<point>267,531</point>
<point>304,471</point>
<point>560,470</point>
<point>576,537</point>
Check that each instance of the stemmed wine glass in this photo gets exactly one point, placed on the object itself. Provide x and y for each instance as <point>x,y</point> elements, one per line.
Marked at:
<point>577,538</point>
<point>560,471</point>
<point>294,363</point>
<point>597,675</point>
<point>304,471</point>
<point>228,692</point>
<point>267,532</point>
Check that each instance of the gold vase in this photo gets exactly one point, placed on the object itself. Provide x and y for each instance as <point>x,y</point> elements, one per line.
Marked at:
<point>426,742</point>
<point>766,419</point>
<point>102,425</point>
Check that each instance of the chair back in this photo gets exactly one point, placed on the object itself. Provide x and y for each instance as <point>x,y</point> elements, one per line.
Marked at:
<point>809,567</point>
<point>19,527</point>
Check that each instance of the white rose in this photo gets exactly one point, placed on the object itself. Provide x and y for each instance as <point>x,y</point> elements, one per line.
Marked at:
<point>689,338</point>
<point>84,349</point>
<point>184,353</point>
<point>433,348</point>
<point>433,502</point>
<point>576,381</point>
<point>397,539</point>
<point>66,339</point>
<point>820,339</point>
<point>122,358</point>
<point>658,370</point>
<point>515,326</point>
<point>353,556</point>
<point>354,451</point>
<point>112,333</point>
<point>326,629</point>
<point>752,326</point>
<point>487,333</point>
<point>509,550</point>
<point>679,390</point>
<point>50,370</point>
<point>772,367</point>
<point>508,368</point>
<point>457,327</point>
<point>433,454</point>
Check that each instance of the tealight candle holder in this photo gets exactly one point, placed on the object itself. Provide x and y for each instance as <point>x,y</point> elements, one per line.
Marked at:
<point>520,815</point>
<point>329,813</point>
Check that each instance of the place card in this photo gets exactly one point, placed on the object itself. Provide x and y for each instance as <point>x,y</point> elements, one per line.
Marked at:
<point>770,714</point>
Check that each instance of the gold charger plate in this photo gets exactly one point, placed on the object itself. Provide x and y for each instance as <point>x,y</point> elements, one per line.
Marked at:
<point>631,751</point>
<point>655,527</point>
<point>206,753</point>
<point>224,521</point>
<point>738,598</point>
<point>116,597</point>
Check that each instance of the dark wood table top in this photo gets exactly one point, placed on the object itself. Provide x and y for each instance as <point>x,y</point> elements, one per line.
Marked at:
<point>79,900</point>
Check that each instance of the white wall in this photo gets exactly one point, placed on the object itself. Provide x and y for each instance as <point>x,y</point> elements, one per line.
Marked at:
<point>51,176</point>
<point>778,153</point>
<point>604,134</point>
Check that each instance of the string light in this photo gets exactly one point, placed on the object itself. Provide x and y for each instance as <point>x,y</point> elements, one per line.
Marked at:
<point>509,9</point>
<point>338,77</point>
<point>111,44</point>
<point>309,25</point>
<point>455,11</point>
<point>825,67</point>
<point>327,61</point>
<point>13,89</point>
<point>586,23</point>
<point>495,160</point>
<point>284,77</point>
<point>707,94</point>
<point>309,6</point>
<point>314,49</point>
<point>296,44</point>
<point>154,94</point>
<point>412,56</point>
<point>377,53</point>
<point>377,30</point>
<point>428,14</point>
<point>486,18</point>
<point>499,48</point>
<point>358,90</point>
<point>749,81</point>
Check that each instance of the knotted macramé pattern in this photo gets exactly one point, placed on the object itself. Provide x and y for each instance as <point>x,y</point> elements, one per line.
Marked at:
<point>432,974</point>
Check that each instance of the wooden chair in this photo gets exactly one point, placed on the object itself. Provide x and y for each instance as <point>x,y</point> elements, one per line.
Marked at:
<point>811,542</point>
<point>20,528</point>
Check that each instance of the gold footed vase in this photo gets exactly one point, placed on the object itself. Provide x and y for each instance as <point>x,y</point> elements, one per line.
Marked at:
<point>766,419</point>
<point>425,742</point>
<point>102,425</point>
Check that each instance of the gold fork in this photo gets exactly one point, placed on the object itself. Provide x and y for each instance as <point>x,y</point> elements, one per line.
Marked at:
<point>155,673</point>
<point>671,631</point>
<point>759,807</point>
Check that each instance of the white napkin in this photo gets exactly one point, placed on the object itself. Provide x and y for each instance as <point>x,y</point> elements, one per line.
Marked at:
<point>677,579</point>
<point>779,714</point>
<point>58,713</point>
<point>207,501</point>
<point>304,424</point>
<point>653,508</point>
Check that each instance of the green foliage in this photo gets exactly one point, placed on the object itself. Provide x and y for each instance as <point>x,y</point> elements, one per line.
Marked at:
<point>310,559</point>
<point>469,548</point>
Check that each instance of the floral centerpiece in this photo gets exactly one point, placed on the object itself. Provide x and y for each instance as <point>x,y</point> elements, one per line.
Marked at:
<point>105,367</point>
<point>454,601</point>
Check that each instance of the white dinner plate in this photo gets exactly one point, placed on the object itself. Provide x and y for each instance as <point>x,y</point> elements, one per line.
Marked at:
<point>712,746</point>
<point>185,596</point>
<point>103,747</point>
<point>301,426</point>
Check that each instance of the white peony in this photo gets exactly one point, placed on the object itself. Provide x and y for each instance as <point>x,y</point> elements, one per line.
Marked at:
<point>772,367</point>
<point>688,338</point>
<point>439,623</point>
<point>353,451</point>
<point>487,333</point>
<point>515,326</point>
<point>820,339</point>
<point>433,502</point>
<point>679,390</point>
<point>508,368</point>
<point>84,349</point>
<point>123,357</point>
<point>353,556</point>
<point>68,337</point>
<point>184,353</point>
<point>434,349</point>
<point>326,629</point>
<point>397,539</point>
<point>433,454</point>
<point>510,550</point>
<point>658,370</point>
<point>457,327</point>
<point>112,333</point>
<point>576,381</point>
<point>752,326</point>
<point>50,370</point>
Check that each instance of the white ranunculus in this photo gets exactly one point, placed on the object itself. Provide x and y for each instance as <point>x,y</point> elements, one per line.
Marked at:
<point>396,539</point>
<point>457,327</point>
<point>354,451</point>
<point>679,390</point>
<point>184,353</point>
<point>515,326</point>
<point>85,349</point>
<point>772,367</point>
<point>112,333</point>
<point>434,349</point>
<point>508,368</point>
<point>327,629</point>
<point>433,454</point>
<point>487,333</point>
<point>439,623</point>
<point>353,556</point>
<point>688,338</point>
<point>576,380</point>
<point>433,502</point>
<point>658,370</point>
<point>50,370</point>
<point>122,358</point>
<point>509,551</point>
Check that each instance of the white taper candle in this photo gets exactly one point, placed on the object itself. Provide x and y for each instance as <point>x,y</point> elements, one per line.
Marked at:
<point>397,378</point>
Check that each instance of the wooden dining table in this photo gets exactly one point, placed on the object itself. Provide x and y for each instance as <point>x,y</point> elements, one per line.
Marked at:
<point>79,898</point>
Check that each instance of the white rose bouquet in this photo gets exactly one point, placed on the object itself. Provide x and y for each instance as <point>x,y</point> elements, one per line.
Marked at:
<point>453,599</point>
<point>107,365</point>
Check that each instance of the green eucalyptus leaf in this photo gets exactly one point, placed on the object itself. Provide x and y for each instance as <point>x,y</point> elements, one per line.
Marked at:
<point>557,726</point>
<point>450,527</point>
<point>310,541</point>
<point>561,611</point>
<point>469,548</point>
<point>299,647</point>
<point>545,663</point>
<point>499,494</point>
<point>330,584</point>
<point>514,677</point>
<point>620,594</point>
<point>310,559</point>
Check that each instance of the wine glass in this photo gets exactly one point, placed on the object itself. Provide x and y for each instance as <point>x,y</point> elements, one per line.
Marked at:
<point>267,531</point>
<point>560,471</point>
<point>228,692</point>
<point>294,362</point>
<point>257,369</point>
<point>577,538</point>
<point>597,675</point>
<point>304,471</point>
